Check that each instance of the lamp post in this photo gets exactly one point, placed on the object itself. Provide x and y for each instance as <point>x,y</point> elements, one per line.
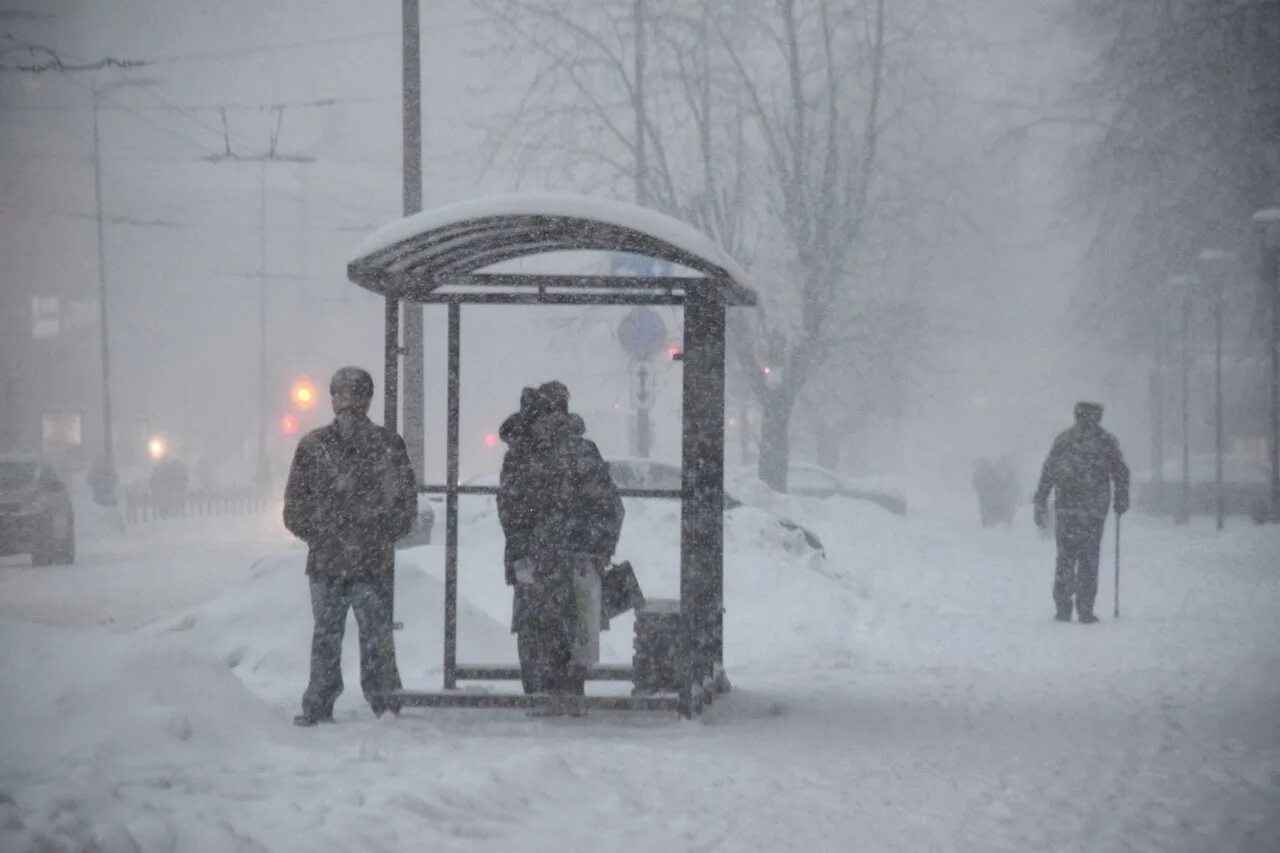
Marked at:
<point>1267,228</point>
<point>1158,369</point>
<point>106,478</point>
<point>1213,264</point>
<point>1180,288</point>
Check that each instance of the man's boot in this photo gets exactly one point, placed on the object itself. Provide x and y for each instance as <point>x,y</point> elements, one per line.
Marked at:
<point>1063,616</point>
<point>308,719</point>
<point>1087,618</point>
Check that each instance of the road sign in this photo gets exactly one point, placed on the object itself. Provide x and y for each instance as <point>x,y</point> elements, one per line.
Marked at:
<point>643,385</point>
<point>642,332</point>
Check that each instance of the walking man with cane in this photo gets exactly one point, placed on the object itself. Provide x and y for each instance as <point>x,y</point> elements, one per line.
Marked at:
<point>1083,469</point>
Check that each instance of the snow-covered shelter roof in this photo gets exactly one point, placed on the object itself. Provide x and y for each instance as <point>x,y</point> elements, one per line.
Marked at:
<point>442,255</point>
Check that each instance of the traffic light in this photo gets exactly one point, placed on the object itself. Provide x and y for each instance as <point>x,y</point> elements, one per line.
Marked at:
<point>289,424</point>
<point>157,447</point>
<point>304,394</point>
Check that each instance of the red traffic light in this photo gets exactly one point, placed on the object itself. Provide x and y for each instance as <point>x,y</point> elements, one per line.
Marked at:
<point>490,441</point>
<point>289,425</point>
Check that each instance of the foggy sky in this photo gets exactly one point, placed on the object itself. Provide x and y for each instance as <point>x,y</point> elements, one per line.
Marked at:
<point>1005,362</point>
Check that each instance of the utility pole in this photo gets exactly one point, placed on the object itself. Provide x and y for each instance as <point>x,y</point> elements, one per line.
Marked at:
<point>105,491</point>
<point>642,194</point>
<point>1157,398</point>
<point>414,358</point>
<point>1180,288</point>
<point>644,429</point>
<point>262,475</point>
<point>1214,264</point>
<point>1267,224</point>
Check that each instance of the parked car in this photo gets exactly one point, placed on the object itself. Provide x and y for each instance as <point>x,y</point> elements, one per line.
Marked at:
<point>818,482</point>
<point>36,517</point>
<point>634,473</point>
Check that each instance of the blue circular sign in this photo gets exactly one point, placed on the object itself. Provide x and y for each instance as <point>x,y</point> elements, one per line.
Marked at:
<point>642,332</point>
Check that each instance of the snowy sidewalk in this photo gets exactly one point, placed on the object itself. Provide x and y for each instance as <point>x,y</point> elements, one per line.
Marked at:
<point>910,693</point>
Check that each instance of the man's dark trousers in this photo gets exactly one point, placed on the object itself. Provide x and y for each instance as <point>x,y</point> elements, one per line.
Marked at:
<point>1079,536</point>
<point>371,601</point>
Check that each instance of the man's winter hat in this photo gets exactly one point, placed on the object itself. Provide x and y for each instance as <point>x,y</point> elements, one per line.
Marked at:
<point>1089,412</point>
<point>352,380</point>
<point>557,393</point>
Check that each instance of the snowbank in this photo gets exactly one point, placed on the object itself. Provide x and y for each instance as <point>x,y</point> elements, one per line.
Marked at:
<point>910,691</point>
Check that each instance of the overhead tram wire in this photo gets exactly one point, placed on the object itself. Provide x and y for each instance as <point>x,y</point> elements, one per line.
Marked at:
<point>58,65</point>
<point>144,120</point>
<point>223,133</point>
<point>313,103</point>
<point>270,48</point>
<point>211,56</point>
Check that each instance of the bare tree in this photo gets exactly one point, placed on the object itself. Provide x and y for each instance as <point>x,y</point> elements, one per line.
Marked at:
<point>763,122</point>
<point>1182,102</point>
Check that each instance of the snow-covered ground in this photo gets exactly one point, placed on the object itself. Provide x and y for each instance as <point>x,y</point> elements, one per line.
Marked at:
<point>910,692</point>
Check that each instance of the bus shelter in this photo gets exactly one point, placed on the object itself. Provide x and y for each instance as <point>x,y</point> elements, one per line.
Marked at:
<point>446,257</point>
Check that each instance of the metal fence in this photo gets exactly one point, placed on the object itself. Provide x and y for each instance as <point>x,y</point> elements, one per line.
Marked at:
<point>140,507</point>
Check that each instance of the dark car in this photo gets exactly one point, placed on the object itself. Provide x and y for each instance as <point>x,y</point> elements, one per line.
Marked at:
<point>647,474</point>
<point>35,512</point>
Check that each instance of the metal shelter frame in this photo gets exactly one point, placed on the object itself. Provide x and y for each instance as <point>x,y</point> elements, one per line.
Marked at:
<point>444,264</point>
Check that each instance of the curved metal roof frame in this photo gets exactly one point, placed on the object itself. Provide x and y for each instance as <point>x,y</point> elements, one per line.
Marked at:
<point>446,263</point>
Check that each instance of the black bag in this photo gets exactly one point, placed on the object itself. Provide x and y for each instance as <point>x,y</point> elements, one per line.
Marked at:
<point>619,590</point>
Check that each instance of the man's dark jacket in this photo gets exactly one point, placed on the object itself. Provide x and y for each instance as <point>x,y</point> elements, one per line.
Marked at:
<point>555,493</point>
<point>351,494</point>
<point>1082,467</point>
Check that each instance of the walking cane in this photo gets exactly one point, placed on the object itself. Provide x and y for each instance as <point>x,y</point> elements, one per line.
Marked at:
<point>1117,613</point>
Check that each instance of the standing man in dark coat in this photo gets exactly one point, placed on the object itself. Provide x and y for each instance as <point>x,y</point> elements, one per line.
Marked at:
<point>1083,468</point>
<point>562,516</point>
<point>351,495</point>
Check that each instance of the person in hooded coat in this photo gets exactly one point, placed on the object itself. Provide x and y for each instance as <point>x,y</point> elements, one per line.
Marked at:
<point>562,515</point>
<point>1084,467</point>
<point>351,494</point>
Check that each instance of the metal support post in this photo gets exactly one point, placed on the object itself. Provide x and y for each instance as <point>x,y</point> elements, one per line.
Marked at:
<point>451,502</point>
<point>105,486</point>
<point>414,359</point>
<point>391,363</point>
<point>1184,499</point>
<point>644,440</point>
<point>1217,398</point>
<point>1273,267</point>
<point>702,507</point>
<point>1157,401</point>
<point>264,470</point>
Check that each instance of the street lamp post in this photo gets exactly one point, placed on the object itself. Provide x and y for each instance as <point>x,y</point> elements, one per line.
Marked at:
<point>1157,397</point>
<point>1180,288</point>
<point>1267,227</point>
<point>1213,264</point>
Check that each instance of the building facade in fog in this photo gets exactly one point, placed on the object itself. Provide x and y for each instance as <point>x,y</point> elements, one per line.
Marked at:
<point>50,372</point>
